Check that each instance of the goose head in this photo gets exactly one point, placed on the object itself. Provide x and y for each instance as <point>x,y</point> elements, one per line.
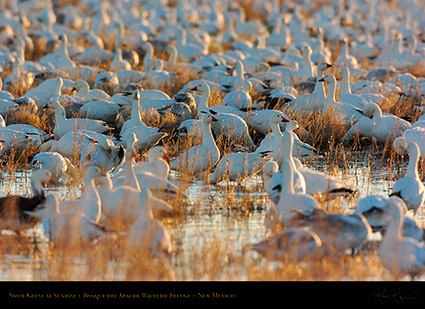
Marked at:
<point>131,146</point>
<point>157,152</point>
<point>400,146</point>
<point>270,168</point>
<point>278,118</point>
<point>292,125</point>
<point>370,109</point>
<point>206,117</point>
<point>324,65</point>
<point>328,78</point>
<point>39,178</point>
<point>91,172</point>
<point>202,86</point>
<point>136,95</point>
<point>53,103</point>
<point>80,84</point>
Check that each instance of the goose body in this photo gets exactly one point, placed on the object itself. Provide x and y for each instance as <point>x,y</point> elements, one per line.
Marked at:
<point>410,187</point>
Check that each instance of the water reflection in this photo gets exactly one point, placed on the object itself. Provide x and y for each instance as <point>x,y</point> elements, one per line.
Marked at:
<point>223,219</point>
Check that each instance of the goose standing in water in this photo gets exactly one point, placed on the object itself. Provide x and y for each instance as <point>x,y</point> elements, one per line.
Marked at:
<point>410,188</point>
<point>13,207</point>
<point>400,255</point>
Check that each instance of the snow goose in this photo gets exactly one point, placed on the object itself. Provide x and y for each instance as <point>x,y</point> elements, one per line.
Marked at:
<point>291,244</point>
<point>366,49</point>
<point>148,61</point>
<point>103,154</point>
<point>314,101</point>
<point>237,166</point>
<point>292,205</point>
<point>89,203</point>
<point>301,150</point>
<point>374,208</point>
<point>13,207</point>
<point>49,89</point>
<point>189,51</point>
<point>239,98</point>
<point>202,157</point>
<point>63,227</point>
<point>410,187</point>
<point>307,69</point>
<point>261,120</point>
<point>415,134</point>
<point>269,169</point>
<point>384,128</point>
<point>147,136</point>
<point>16,139</point>
<point>107,81</point>
<point>347,113</point>
<point>58,165</point>
<point>344,58</point>
<point>318,183</point>
<point>231,126</point>
<point>71,144</point>
<point>286,159</point>
<point>400,255</point>
<point>84,91</point>
<point>64,125</point>
<point>148,235</point>
<point>345,95</point>
<point>106,111</point>
<point>118,63</point>
<point>156,162</point>
<point>60,58</point>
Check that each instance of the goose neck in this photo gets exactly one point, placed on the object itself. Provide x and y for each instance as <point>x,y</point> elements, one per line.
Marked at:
<point>207,137</point>
<point>412,166</point>
<point>135,113</point>
<point>204,100</point>
<point>394,227</point>
<point>346,88</point>
<point>37,187</point>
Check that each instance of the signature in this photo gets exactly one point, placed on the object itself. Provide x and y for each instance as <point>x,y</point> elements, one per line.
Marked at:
<point>393,295</point>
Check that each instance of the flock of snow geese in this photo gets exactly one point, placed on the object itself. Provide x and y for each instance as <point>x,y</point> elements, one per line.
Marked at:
<point>111,62</point>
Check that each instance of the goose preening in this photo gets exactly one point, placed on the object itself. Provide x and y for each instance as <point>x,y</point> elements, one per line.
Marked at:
<point>410,188</point>
<point>401,255</point>
<point>13,207</point>
<point>384,128</point>
<point>57,164</point>
<point>84,91</point>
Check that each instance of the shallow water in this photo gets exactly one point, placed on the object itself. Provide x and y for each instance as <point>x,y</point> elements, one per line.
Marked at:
<point>223,220</point>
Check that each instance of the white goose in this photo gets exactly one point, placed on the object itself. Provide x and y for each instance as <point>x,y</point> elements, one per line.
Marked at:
<point>384,128</point>
<point>314,101</point>
<point>374,208</point>
<point>301,150</point>
<point>400,255</point>
<point>415,134</point>
<point>84,91</point>
<point>47,90</point>
<point>199,158</point>
<point>58,165</point>
<point>344,58</point>
<point>148,235</point>
<point>292,205</point>
<point>237,166</point>
<point>347,113</point>
<point>318,183</point>
<point>291,244</point>
<point>346,96</point>
<point>64,125</point>
<point>89,203</point>
<point>231,126</point>
<point>410,187</point>
<point>147,136</point>
<point>60,58</point>
<point>64,228</point>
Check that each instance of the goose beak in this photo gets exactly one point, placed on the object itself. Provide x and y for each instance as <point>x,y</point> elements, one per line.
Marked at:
<point>45,106</point>
<point>214,119</point>
<point>321,80</point>
<point>52,180</point>
<point>194,88</point>
<point>284,119</point>
<point>328,65</point>
<point>166,157</point>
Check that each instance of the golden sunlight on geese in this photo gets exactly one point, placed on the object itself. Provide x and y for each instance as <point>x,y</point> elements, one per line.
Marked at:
<point>212,140</point>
